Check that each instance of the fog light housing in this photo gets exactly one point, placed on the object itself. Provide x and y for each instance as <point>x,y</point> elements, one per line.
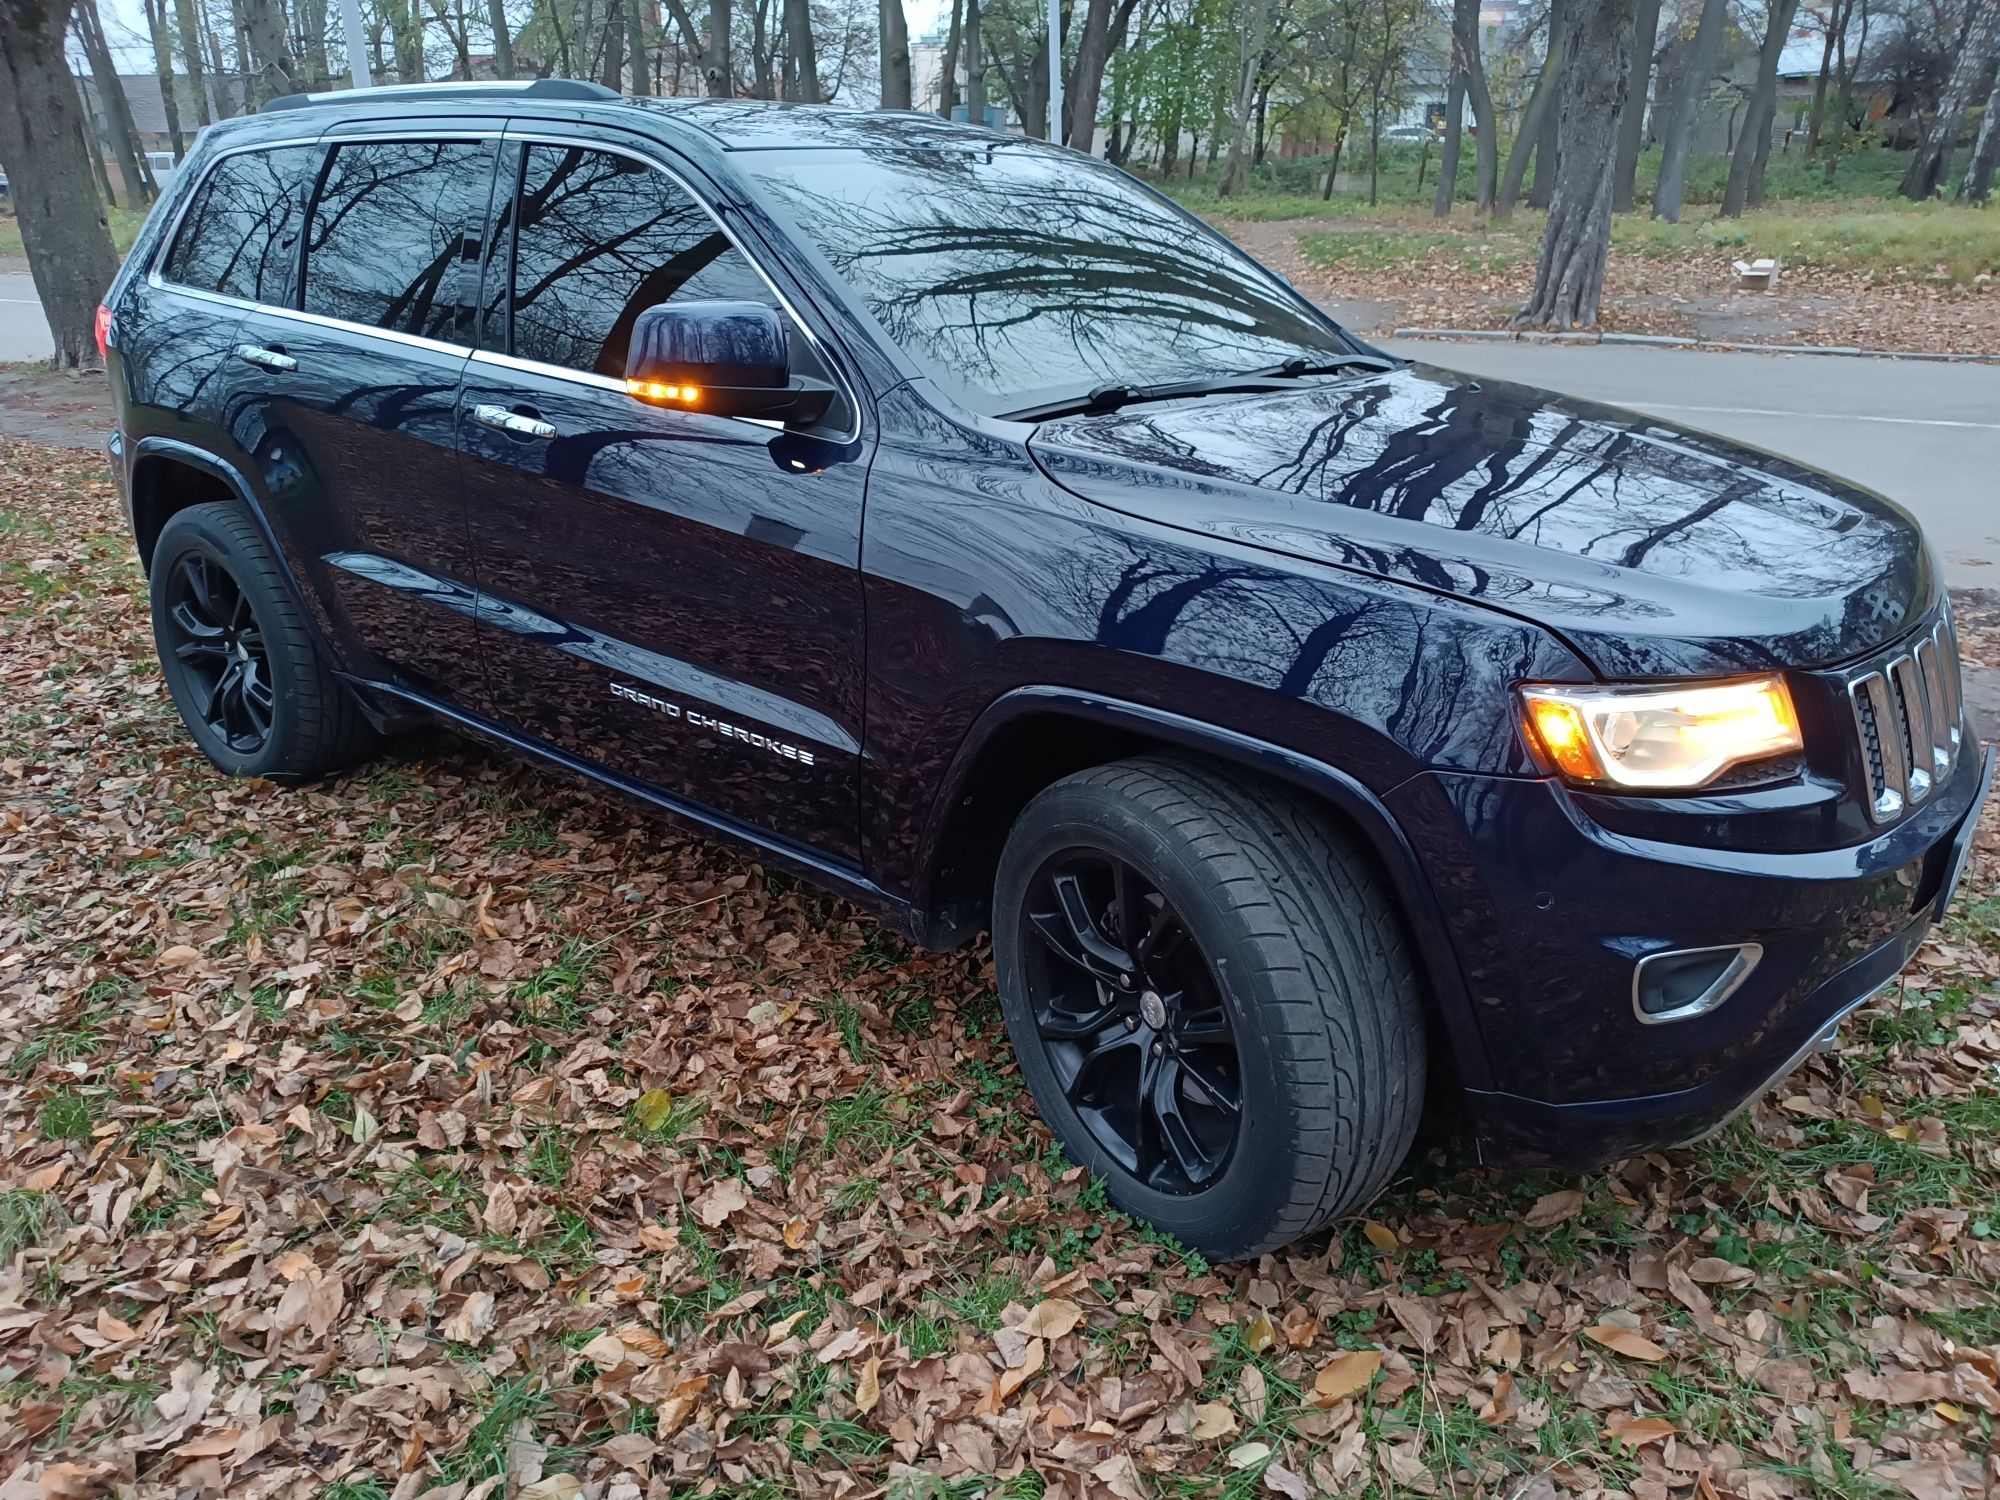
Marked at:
<point>1679,984</point>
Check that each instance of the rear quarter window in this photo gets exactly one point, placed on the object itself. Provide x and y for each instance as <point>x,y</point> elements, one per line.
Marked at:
<point>241,234</point>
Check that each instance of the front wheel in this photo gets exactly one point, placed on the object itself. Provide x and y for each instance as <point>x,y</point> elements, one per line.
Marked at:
<point>1212,999</point>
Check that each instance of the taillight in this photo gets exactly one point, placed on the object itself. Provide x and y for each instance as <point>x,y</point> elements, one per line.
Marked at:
<point>103,331</point>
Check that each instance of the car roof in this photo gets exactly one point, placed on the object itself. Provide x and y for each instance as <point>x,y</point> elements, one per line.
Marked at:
<point>730,124</point>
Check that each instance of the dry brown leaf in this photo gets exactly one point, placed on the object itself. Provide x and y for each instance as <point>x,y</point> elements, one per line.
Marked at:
<point>1624,1341</point>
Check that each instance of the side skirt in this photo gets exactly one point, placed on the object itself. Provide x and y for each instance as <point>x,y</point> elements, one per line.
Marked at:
<point>839,878</point>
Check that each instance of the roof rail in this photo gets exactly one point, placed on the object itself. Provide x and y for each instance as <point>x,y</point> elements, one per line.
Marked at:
<point>535,88</point>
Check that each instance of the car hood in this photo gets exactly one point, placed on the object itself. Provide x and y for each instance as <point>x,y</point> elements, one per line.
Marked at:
<point>1653,550</point>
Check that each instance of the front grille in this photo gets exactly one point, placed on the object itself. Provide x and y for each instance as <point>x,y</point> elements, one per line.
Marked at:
<point>1906,715</point>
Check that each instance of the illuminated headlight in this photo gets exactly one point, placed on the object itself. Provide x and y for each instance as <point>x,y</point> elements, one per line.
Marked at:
<point>1675,738</point>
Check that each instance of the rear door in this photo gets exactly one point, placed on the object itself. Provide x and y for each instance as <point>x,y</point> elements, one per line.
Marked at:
<point>347,398</point>
<point>671,595</point>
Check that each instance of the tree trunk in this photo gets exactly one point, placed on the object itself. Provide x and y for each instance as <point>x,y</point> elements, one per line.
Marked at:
<point>1464,46</point>
<point>1977,186</point>
<point>975,66</point>
<point>191,57</point>
<point>895,55</point>
<point>612,64</point>
<point>113,109</point>
<point>1931,164</point>
<point>1236,167</point>
<point>1541,104</point>
<point>636,48</point>
<point>1836,26</point>
<point>1542,186</point>
<point>948,73</point>
<point>1486,145</point>
<point>1086,79</point>
<point>1687,104</point>
<point>716,67</point>
<point>503,38</point>
<point>406,38</point>
<point>264,32</point>
<point>1569,281</point>
<point>1746,168</point>
<point>1632,123</point>
<point>63,231</point>
<point>801,54</point>
<point>163,68</point>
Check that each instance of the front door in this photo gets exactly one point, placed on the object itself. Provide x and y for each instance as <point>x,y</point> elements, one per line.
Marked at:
<point>671,596</point>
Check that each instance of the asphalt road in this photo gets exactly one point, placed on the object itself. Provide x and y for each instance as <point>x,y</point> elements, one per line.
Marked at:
<point>1926,435</point>
<point>24,332</point>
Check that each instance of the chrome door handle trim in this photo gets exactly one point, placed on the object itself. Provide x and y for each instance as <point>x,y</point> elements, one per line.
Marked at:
<point>503,420</point>
<point>266,359</point>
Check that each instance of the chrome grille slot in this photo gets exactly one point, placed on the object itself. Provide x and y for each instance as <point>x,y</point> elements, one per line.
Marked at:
<point>1906,719</point>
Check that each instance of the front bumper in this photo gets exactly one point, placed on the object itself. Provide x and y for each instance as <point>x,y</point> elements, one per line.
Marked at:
<point>1550,911</point>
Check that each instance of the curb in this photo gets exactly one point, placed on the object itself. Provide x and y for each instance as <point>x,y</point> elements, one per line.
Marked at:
<point>1667,340</point>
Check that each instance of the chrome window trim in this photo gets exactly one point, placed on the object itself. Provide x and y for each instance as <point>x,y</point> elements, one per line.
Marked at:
<point>165,247</point>
<point>547,137</point>
<point>329,139</point>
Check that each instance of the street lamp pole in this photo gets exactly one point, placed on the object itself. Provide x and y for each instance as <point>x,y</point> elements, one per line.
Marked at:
<point>357,43</point>
<point>1055,73</point>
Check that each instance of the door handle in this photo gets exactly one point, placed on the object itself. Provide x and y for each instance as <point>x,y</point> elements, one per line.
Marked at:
<point>503,420</point>
<point>275,360</point>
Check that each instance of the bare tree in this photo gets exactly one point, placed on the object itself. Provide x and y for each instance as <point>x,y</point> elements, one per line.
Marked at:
<point>163,68</point>
<point>264,33</point>
<point>895,55</point>
<point>63,231</point>
<point>1632,123</point>
<point>190,38</point>
<point>1542,104</point>
<point>1569,281</point>
<point>948,68</point>
<point>1931,164</point>
<point>1687,104</point>
<point>801,54</point>
<point>1977,186</point>
<point>113,109</point>
<point>975,65</point>
<point>1468,84</point>
<point>503,38</point>
<point>1236,166</point>
<point>1745,188</point>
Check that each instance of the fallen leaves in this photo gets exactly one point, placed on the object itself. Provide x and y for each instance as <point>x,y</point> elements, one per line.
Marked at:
<point>441,1120</point>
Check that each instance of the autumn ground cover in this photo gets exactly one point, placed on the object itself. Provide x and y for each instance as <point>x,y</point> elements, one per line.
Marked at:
<point>447,1129</point>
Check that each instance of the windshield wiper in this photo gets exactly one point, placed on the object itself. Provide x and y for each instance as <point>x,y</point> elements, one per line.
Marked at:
<point>1114,394</point>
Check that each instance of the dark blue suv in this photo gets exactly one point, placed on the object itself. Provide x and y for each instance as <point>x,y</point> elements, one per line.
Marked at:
<point>948,519</point>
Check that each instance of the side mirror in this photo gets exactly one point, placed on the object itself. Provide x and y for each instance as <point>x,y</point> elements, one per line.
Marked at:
<point>729,359</point>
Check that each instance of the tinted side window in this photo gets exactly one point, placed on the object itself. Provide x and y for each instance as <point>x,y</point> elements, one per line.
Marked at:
<point>241,234</point>
<point>395,234</point>
<point>601,239</point>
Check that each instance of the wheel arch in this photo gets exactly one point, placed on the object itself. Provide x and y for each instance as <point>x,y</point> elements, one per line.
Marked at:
<point>1033,736</point>
<point>165,476</point>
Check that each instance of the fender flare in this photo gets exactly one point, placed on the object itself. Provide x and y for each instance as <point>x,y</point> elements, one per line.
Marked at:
<point>1435,953</point>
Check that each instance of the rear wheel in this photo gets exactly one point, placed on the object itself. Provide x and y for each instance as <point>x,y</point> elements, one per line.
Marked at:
<point>238,656</point>
<point>1212,999</point>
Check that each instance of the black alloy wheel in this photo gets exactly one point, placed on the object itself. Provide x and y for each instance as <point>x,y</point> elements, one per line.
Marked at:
<point>215,638</point>
<point>239,656</point>
<point>1212,997</point>
<point>1134,1025</point>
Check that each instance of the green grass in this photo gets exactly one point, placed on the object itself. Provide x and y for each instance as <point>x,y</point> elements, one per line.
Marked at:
<point>124,223</point>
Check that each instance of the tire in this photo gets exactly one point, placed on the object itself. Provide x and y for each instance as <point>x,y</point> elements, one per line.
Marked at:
<point>1309,964</point>
<point>241,617</point>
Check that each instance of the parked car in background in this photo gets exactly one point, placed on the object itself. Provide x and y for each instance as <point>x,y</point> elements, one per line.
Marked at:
<point>948,519</point>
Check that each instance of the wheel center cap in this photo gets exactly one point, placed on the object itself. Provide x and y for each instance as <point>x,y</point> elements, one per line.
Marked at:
<point>1153,1010</point>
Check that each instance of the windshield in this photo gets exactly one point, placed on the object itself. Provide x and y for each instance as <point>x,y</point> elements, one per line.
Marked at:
<point>1017,275</point>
